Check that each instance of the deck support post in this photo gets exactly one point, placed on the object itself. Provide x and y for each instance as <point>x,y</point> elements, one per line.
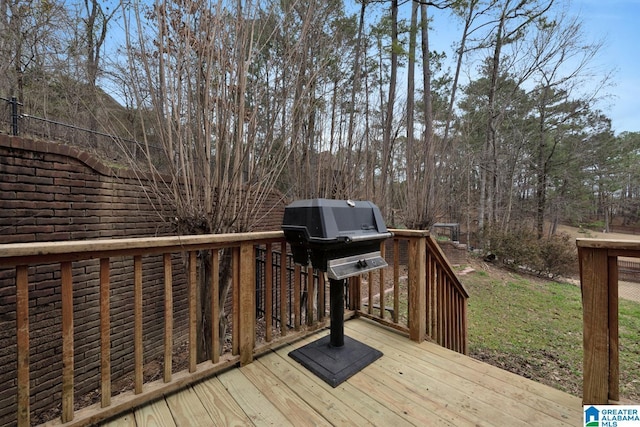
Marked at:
<point>599,281</point>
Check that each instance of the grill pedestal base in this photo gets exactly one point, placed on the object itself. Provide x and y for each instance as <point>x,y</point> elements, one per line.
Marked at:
<point>335,358</point>
<point>334,365</point>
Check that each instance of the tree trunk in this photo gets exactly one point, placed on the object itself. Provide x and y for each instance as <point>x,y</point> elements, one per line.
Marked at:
<point>413,202</point>
<point>487,173</point>
<point>428,196</point>
<point>387,138</point>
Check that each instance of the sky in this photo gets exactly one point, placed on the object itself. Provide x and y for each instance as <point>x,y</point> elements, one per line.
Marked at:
<point>618,22</point>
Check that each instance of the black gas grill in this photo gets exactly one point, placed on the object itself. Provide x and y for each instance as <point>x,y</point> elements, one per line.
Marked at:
<point>341,238</point>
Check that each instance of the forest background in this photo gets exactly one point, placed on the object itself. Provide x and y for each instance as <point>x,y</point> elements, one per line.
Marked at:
<point>231,99</point>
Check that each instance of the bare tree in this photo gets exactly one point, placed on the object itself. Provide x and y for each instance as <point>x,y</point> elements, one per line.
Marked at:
<point>28,35</point>
<point>388,137</point>
<point>563,64</point>
<point>513,18</point>
<point>96,23</point>
<point>202,76</point>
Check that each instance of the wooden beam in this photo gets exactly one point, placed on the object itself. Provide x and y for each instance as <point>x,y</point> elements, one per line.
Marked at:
<point>100,248</point>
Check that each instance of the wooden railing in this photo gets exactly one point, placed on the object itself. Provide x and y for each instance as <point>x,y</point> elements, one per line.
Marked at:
<point>599,281</point>
<point>290,301</point>
<point>437,301</point>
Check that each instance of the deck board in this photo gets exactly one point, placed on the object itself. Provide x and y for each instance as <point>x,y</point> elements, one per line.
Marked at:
<point>463,386</point>
<point>253,402</point>
<point>297,411</point>
<point>359,404</point>
<point>155,414</point>
<point>187,409</point>
<point>222,408</point>
<point>323,401</point>
<point>412,384</point>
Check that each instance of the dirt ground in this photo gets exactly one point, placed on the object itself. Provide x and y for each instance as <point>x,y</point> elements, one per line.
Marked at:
<point>590,234</point>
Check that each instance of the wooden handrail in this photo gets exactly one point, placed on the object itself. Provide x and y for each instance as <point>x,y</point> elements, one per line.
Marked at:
<point>598,260</point>
<point>436,300</point>
<point>447,311</point>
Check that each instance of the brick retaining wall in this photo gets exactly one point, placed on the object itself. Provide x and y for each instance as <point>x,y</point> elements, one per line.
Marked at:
<point>54,192</point>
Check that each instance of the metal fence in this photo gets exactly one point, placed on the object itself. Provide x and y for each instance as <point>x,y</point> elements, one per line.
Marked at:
<point>276,297</point>
<point>629,271</point>
<point>14,121</point>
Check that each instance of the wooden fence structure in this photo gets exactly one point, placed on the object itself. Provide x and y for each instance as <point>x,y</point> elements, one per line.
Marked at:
<point>430,303</point>
<point>599,275</point>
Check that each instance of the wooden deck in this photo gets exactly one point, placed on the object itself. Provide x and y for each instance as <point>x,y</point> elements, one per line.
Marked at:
<point>412,384</point>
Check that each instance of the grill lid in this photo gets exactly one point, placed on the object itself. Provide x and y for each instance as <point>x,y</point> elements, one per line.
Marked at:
<point>341,237</point>
<point>326,221</point>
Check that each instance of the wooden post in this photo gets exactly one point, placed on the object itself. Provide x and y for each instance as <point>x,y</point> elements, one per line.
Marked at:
<point>296,297</point>
<point>355,289</point>
<point>370,292</point>
<point>235,292</point>
<point>268,297</point>
<point>322,302</point>
<point>594,273</point>
<point>215,305</point>
<point>193,311</point>
<point>284,294</point>
<point>417,289</point>
<point>67,341</point>
<point>138,350</point>
<point>310,297</point>
<point>614,356</point>
<point>22,331</point>
<point>168,317</point>
<point>105,334</point>
<point>431,295</point>
<point>247,293</point>
<point>382,287</point>
<point>396,279</point>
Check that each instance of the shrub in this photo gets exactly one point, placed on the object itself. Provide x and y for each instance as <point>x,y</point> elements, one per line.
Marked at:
<point>521,249</point>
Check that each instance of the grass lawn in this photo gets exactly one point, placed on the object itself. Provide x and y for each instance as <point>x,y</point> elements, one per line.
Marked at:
<point>533,327</point>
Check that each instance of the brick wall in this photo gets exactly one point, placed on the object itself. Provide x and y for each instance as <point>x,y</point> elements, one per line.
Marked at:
<point>53,192</point>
